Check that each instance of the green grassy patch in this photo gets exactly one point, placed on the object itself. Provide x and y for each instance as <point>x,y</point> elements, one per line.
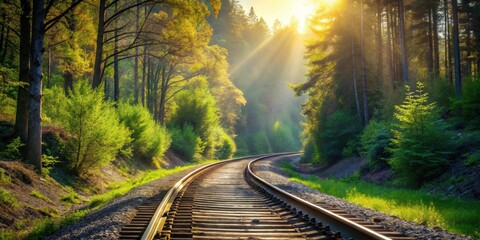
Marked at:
<point>71,197</point>
<point>117,190</point>
<point>455,215</point>
<point>4,178</point>
<point>39,195</point>
<point>8,198</point>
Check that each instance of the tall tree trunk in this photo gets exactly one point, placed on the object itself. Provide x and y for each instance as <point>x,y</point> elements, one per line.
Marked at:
<point>116,74</point>
<point>403,41</point>
<point>49,67</point>
<point>355,87</point>
<point>144,68</point>
<point>379,41</point>
<point>21,118</point>
<point>2,30</point>
<point>436,48</point>
<point>34,141</point>
<point>135,70</point>
<point>456,49</point>
<point>390,50</point>
<point>363,71</point>
<point>430,44</point>
<point>71,24</point>
<point>448,53</point>
<point>97,68</point>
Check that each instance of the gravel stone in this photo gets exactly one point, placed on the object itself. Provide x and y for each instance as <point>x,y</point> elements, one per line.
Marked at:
<point>270,171</point>
<point>106,222</point>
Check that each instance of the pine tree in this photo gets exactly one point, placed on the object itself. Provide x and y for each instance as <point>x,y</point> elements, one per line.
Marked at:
<point>420,139</point>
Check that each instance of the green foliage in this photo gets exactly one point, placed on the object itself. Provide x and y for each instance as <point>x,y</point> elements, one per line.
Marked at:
<point>186,142</point>
<point>4,178</point>
<point>420,143</point>
<point>335,134</point>
<point>282,139</point>
<point>70,197</point>
<point>150,140</point>
<point>12,150</point>
<point>225,145</point>
<point>48,162</point>
<point>8,198</point>
<point>375,140</point>
<point>47,226</point>
<point>96,135</point>
<point>468,106</point>
<point>196,129</point>
<point>473,158</point>
<point>8,86</point>
<point>259,143</point>
<point>39,195</point>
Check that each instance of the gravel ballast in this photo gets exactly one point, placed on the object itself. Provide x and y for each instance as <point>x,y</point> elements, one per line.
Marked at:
<point>106,222</point>
<point>270,171</point>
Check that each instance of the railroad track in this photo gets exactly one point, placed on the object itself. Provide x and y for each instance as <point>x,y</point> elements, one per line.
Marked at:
<point>226,200</point>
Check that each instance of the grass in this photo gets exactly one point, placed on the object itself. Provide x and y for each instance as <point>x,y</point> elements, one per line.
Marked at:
<point>39,195</point>
<point>4,178</point>
<point>117,190</point>
<point>7,198</point>
<point>455,215</point>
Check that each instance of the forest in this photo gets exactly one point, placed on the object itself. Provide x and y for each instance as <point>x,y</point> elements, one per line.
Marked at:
<point>91,85</point>
<point>396,82</point>
<point>133,79</point>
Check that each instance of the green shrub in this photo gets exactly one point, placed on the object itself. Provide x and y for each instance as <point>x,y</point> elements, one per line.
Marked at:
<point>8,198</point>
<point>282,138</point>
<point>374,141</point>
<point>186,142</point>
<point>70,197</point>
<point>225,147</point>
<point>420,142</point>
<point>12,150</point>
<point>96,135</point>
<point>196,120</point>
<point>47,164</point>
<point>150,140</point>
<point>338,129</point>
<point>4,178</point>
<point>259,143</point>
<point>468,106</point>
<point>39,195</point>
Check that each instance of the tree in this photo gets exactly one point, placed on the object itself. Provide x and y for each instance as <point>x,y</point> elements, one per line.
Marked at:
<point>456,49</point>
<point>34,140</point>
<point>420,139</point>
<point>403,40</point>
<point>21,120</point>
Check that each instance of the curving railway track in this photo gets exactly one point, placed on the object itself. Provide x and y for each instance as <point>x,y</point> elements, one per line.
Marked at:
<point>226,200</point>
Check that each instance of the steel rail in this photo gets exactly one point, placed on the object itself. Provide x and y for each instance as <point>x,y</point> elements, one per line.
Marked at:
<point>354,229</point>
<point>159,218</point>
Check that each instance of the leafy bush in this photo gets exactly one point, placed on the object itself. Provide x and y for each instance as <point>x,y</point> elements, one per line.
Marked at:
<point>282,138</point>
<point>8,198</point>
<point>225,147</point>
<point>420,142</point>
<point>200,134</point>
<point>150,140</point>
<point>338,129</point>
<point>468,106</point>
<point>259,143</point>
<point>96,135</point>
<point>185,141</point>
<point>12,150</point>
<point>375,141</point>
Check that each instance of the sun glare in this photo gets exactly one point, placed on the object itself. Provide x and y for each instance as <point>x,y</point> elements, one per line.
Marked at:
<point>304,9</point>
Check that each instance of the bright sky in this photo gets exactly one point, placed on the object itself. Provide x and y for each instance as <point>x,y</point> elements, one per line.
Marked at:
<point>283,10</point>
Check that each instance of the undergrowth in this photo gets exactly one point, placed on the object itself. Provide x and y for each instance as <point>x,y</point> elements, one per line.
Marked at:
<point>455,215</point>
